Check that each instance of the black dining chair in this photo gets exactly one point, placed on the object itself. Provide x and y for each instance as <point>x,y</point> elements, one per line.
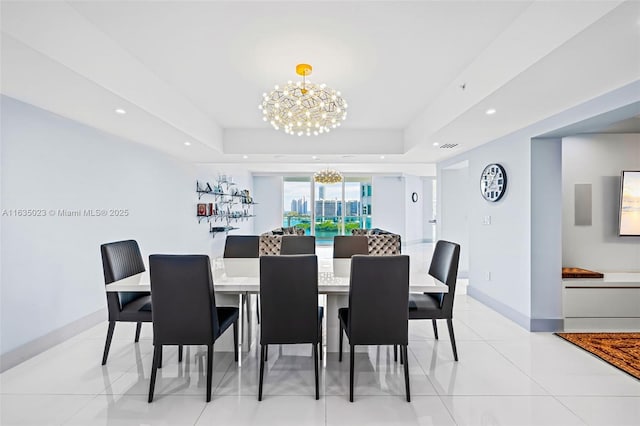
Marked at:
<point>242,246</point>
<point>378,308</point>
<point>298,244</point>
<point>444,268</point>
<point>290,311</point>
<point>122,259</point>
<point>345,246</point>
<point>184,309</point>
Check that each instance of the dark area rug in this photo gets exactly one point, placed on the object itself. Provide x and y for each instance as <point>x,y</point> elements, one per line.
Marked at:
<point>622,350</point>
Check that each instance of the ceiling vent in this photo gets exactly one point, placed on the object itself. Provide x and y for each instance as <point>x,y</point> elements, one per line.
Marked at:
<point>448,145</point>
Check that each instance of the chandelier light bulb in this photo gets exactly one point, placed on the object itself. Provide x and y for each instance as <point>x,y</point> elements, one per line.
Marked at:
<point>296,107</point>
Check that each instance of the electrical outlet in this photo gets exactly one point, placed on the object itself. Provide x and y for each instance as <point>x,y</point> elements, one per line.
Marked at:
<point>487,276</point>
<point>486,220</point>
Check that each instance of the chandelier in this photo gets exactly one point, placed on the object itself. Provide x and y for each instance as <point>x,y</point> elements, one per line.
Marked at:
<point>303,108</point>
<point>327,176</point>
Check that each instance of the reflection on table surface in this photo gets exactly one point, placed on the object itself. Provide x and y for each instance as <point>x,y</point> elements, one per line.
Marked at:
<point>233,275</point>
<point>333,274</point>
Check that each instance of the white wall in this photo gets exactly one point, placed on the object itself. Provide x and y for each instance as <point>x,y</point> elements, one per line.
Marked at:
<point>268,190</point>
<point>51,266</point>
<point>454,210</point>
<point>546,233</point>
<point>413,212</point>
<point>598,160</point>
<point>503,248</point>
<point>428,213</point>
<point>388,201</point>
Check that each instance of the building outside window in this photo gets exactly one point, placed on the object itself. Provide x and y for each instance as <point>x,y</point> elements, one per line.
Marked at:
<point>297,203</point>
<point>335,209</point>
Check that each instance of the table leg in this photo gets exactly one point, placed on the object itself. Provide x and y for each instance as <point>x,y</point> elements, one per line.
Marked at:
<point>248,301</point>
<point>332,325</point>
<point>240,328</point>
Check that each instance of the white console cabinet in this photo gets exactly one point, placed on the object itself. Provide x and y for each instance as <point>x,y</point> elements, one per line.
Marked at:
<point>611,303</point>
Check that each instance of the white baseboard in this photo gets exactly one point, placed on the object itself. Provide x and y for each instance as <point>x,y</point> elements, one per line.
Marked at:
<point>41,344</point>
<point>526,322</point>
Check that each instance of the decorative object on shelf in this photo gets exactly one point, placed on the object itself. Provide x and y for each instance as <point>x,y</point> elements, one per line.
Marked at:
<point>303,108</point>
<point>493,182</point>
<point>580,273</point>
<point>414,197</point>
<point>231,204</point>
<point>246,198</point>
<point>327,176</point>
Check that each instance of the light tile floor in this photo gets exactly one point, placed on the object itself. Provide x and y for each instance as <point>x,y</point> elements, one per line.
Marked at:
<point>505,376</point>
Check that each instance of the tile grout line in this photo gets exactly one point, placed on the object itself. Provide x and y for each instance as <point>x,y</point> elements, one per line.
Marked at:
<point>570,410</point>
<point>550,394</point>
<point>80,409</point>
<point>488,342</point>
<point>438,395</point>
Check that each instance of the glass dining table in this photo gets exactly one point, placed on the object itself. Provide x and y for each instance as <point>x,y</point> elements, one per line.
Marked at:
<point>241,278</point>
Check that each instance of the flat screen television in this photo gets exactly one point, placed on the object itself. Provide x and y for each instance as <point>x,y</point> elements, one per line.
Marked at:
<point>629,223</point>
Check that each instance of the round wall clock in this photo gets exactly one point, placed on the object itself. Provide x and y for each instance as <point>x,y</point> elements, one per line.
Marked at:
<point>493,182</point>
<point>414,197</point>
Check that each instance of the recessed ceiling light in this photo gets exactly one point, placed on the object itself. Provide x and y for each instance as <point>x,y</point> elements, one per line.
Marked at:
<point>120,111</point>
<point>490,111</point>
<point>436,144</point>
<point>245,156</point>
<point>187,143</point>
<point>382,157</point>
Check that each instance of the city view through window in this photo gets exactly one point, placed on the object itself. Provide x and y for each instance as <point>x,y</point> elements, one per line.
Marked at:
<point>331,212</point>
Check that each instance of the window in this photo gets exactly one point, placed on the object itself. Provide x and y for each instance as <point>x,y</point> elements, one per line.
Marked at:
<point>336,208</point>
<point>297,203</point>
<point>328,212</point>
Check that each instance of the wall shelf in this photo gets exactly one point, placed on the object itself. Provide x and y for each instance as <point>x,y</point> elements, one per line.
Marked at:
<point>223,216</point>
<point>217,229</point>
<point>229,204</point>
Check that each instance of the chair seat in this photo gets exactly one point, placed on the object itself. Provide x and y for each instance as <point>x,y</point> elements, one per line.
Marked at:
<point>424,306</point>
<point>423,301</point>
<point>226,317</point>
<point>139,310</point>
